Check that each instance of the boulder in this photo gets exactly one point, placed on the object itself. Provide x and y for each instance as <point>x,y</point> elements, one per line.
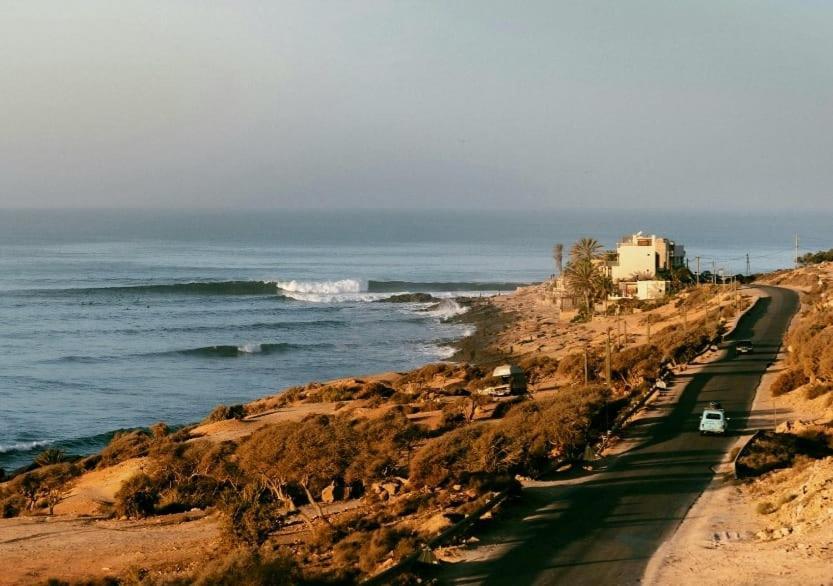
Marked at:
<point>332,493</point>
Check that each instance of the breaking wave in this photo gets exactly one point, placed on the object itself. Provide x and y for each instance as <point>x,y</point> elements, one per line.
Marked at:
<point>321,291</point>
<point>356,290</point>
<point>446,309</point>
<point>229,350</point>
<point>326,291</point>
<point>22,447</point>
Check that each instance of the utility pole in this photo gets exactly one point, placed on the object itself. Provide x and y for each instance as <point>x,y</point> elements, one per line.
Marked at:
<point>796,250</point>
<point>608,362</point>
<point>748,272</point>
<point>586,369</point>
<point>698,271</point>
<point>609,375</point>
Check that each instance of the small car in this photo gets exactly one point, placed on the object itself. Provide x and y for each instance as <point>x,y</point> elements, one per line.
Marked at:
<point>744,346</point>
<point>713,421</point>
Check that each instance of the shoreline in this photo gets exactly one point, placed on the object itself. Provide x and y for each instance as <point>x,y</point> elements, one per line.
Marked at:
<point>486,318</point>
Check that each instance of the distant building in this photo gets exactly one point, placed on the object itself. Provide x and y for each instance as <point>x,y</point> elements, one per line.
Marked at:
<point>639,257</point>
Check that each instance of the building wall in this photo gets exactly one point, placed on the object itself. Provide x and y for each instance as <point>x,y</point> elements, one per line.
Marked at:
<point>634,259</point>
<point>644,256</point>
<point>651,289</point>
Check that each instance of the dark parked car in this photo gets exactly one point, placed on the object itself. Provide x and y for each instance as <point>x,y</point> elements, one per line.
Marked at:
<point>744,346</point>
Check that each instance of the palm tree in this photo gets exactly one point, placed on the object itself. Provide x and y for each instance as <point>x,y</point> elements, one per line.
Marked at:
<point>558,255</point>
<point>586,249</point>
<point>584,280</point>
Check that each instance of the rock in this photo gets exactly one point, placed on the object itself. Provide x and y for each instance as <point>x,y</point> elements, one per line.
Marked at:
<point>392,488</point>
<point>410,298</point>
<point>456,487</point>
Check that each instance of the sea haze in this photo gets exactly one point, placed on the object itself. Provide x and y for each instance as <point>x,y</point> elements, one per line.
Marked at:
<point>119,319</point>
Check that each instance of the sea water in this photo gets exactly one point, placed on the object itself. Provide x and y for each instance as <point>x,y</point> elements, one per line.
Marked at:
<point>118,319</point>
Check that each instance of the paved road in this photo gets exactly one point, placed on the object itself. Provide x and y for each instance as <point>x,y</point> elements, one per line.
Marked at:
<point>603,530</point>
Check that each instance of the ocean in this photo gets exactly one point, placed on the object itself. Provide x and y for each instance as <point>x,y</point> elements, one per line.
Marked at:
<point>118,319</point>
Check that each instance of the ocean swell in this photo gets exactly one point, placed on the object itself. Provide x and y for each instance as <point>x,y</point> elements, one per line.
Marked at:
<point>230,350</point>
<point>189,288</point>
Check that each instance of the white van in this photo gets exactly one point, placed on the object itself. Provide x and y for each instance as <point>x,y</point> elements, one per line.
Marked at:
<point>713,421</point>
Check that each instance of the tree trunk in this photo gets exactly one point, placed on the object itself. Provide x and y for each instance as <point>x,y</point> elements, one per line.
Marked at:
<point>288,502</point>
<point>315,504</point>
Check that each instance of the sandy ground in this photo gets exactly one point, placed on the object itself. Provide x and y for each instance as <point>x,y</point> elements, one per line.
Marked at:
<point>33,549</point>
<point>724,540</point>
<point>97,488</point>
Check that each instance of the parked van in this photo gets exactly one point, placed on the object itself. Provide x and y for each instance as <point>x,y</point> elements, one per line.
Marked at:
<point>508,380</point>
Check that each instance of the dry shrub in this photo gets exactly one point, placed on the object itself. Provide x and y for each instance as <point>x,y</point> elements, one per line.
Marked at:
<point>571,366</point>
<point>817,390</point>
<point>771,451</point>
<point>523,442</point>
<point>636,364</point>
<point>787,381</point>
<point>137,497</point>
<point>766,508</point>
<point>12,506</point>
<point>374,389</point>
<point>224,412</point>
<point>125,445</point>
<point>539,368</point>
<point>40,488</point>
<point>369,549</point>
<point>250,516</point>
<point>422,378</point>
<point>246,567</point>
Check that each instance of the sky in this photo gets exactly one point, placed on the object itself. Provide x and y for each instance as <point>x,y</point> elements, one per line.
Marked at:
<point>429,104</point>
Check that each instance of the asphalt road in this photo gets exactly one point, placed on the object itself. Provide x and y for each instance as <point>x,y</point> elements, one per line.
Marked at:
<point>603,528</point>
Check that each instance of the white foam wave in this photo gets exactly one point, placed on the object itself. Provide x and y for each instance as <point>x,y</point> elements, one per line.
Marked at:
<point>446,309</point>
<point>22,446</point>
<point>445,352</point>
<point>341,291</point>
<point>322,287</point>
<point>250,348</point>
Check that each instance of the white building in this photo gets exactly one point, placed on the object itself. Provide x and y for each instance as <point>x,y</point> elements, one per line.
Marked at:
<point>640,257</point>
<point>637,261</point>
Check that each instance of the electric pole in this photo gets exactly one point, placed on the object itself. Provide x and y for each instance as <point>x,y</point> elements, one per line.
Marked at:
<point>608,364</point>
<point>796,250</point>
<point>586,369</point>
<point>748,272</point>
<point>698,271</point>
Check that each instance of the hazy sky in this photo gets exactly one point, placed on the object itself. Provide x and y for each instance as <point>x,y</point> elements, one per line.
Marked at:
<point>416,104</point>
